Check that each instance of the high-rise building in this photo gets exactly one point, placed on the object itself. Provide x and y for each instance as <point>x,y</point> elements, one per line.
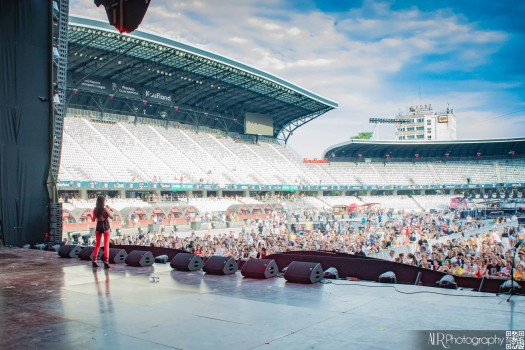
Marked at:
<point>422,123</point>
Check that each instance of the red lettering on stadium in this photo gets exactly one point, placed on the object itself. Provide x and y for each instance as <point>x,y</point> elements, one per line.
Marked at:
<point>315,161</point>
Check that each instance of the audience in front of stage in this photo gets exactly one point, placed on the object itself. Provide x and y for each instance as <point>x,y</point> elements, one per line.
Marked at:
<point>480,255</point>
<point>476,256</point>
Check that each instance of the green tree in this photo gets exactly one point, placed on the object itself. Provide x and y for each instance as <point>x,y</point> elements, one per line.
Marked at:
<point>367,135</point>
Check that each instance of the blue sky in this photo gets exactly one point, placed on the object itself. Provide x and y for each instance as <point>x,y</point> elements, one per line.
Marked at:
<point>372,57</point>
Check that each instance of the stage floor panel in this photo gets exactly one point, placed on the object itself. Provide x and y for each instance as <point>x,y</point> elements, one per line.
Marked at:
<point>48,302</point>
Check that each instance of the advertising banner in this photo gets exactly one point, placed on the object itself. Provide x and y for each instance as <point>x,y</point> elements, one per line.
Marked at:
<point>126,90</point>
<point>155,95</point>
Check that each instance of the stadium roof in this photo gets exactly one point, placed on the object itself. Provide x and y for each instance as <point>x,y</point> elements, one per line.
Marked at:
<point>146,74</point>
<point>457,149</point>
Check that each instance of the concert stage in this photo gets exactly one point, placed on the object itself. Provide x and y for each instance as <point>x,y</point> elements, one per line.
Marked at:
<point>48,302</point>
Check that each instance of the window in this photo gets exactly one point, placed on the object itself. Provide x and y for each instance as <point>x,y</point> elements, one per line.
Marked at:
<point>421,120</point>
<point>429,121</point>
<point>429,130</point>
<point>410,129</point>
<point>429,137</point>
<point>420,128</point>
<point>420,136</point>
<point>410,137</point>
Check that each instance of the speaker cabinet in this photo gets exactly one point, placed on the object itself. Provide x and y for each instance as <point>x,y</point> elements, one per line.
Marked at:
<point>186,262</point>
<point>69,251</point>
<point>303,272</point>
<point>117,255</point>
<point>260,268</point>
<point>220,265</point>
<point>55,222</point>
<point>140,258</point>
<point>87,253</point>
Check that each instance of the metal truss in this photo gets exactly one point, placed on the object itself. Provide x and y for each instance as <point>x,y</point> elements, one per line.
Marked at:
<point>288,129</point>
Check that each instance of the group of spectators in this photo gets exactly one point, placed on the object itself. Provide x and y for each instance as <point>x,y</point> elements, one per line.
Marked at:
<point>488,253</point>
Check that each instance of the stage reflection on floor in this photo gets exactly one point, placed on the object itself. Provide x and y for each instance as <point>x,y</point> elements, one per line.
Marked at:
<point>47,302</point>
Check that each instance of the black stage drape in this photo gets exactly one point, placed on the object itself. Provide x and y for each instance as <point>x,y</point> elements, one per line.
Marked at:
<point>25,98</point>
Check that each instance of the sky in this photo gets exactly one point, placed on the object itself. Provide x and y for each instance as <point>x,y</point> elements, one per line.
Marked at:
<point>374,58</point>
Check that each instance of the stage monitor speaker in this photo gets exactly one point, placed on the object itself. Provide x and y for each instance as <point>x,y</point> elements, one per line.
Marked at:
<point>117,255</point>
<point>304,272</point>
<point>186,262</point>
<point>220,265</point>
<point>69,251</point>
<point>260,268</point>
<point>140,258</point>
<point>87,253</point>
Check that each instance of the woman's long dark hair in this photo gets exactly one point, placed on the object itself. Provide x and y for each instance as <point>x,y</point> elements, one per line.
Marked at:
<point>99,208</point>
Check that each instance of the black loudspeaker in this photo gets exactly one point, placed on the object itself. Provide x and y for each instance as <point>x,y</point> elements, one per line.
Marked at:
<point>87,253</point>
<point>55,222</point>
<point>69,251</point>
<point>260,268</point>
<point>140,258</point>
<point>186,262</point>
<point>117,255</point>
<point>220,265</point>
<point>304,272</point>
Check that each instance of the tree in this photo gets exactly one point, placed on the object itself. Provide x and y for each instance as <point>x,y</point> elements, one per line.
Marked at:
<point>367,135</point>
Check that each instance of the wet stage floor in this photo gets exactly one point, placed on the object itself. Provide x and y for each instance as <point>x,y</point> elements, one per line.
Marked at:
<point>47,302</point>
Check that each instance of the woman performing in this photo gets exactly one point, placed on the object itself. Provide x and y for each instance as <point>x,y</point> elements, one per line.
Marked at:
<point>101,213</point>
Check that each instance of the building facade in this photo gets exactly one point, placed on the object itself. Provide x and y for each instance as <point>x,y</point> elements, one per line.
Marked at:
<point>422,123</point>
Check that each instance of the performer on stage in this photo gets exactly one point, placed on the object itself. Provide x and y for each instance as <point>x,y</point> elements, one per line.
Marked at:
<point>101,213</point>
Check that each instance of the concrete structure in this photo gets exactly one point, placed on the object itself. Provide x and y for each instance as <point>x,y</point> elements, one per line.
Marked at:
<point>426,124</point>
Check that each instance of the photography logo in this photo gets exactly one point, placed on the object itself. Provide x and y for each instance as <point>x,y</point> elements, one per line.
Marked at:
<point>459,340</point>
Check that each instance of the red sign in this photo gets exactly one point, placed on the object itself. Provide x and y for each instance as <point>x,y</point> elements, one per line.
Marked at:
<point>315,161</point>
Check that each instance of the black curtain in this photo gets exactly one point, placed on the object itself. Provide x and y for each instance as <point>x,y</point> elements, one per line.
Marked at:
<point>25,112</point>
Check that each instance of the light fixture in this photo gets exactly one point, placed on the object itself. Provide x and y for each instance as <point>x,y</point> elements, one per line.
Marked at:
<point>388,277</point>
<point>448,282</point>
<point>331,273</point>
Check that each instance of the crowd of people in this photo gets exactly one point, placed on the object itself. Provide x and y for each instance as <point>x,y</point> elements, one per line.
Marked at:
<point>488,253</point>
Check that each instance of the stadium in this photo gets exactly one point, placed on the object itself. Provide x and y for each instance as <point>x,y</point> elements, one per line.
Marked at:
<point>187,154</point>
<point>177,121</point>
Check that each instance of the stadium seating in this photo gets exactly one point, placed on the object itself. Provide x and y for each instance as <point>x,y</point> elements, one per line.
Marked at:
<point>121,151</point>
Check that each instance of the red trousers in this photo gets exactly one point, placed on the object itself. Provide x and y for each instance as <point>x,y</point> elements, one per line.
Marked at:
<point>98,236</point>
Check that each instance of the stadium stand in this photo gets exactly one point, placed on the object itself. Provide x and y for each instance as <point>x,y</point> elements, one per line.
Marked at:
<point>146,152</point>
<point>181,139</point>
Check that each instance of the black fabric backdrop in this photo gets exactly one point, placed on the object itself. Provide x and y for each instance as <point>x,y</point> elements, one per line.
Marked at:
<point>25,52</point>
